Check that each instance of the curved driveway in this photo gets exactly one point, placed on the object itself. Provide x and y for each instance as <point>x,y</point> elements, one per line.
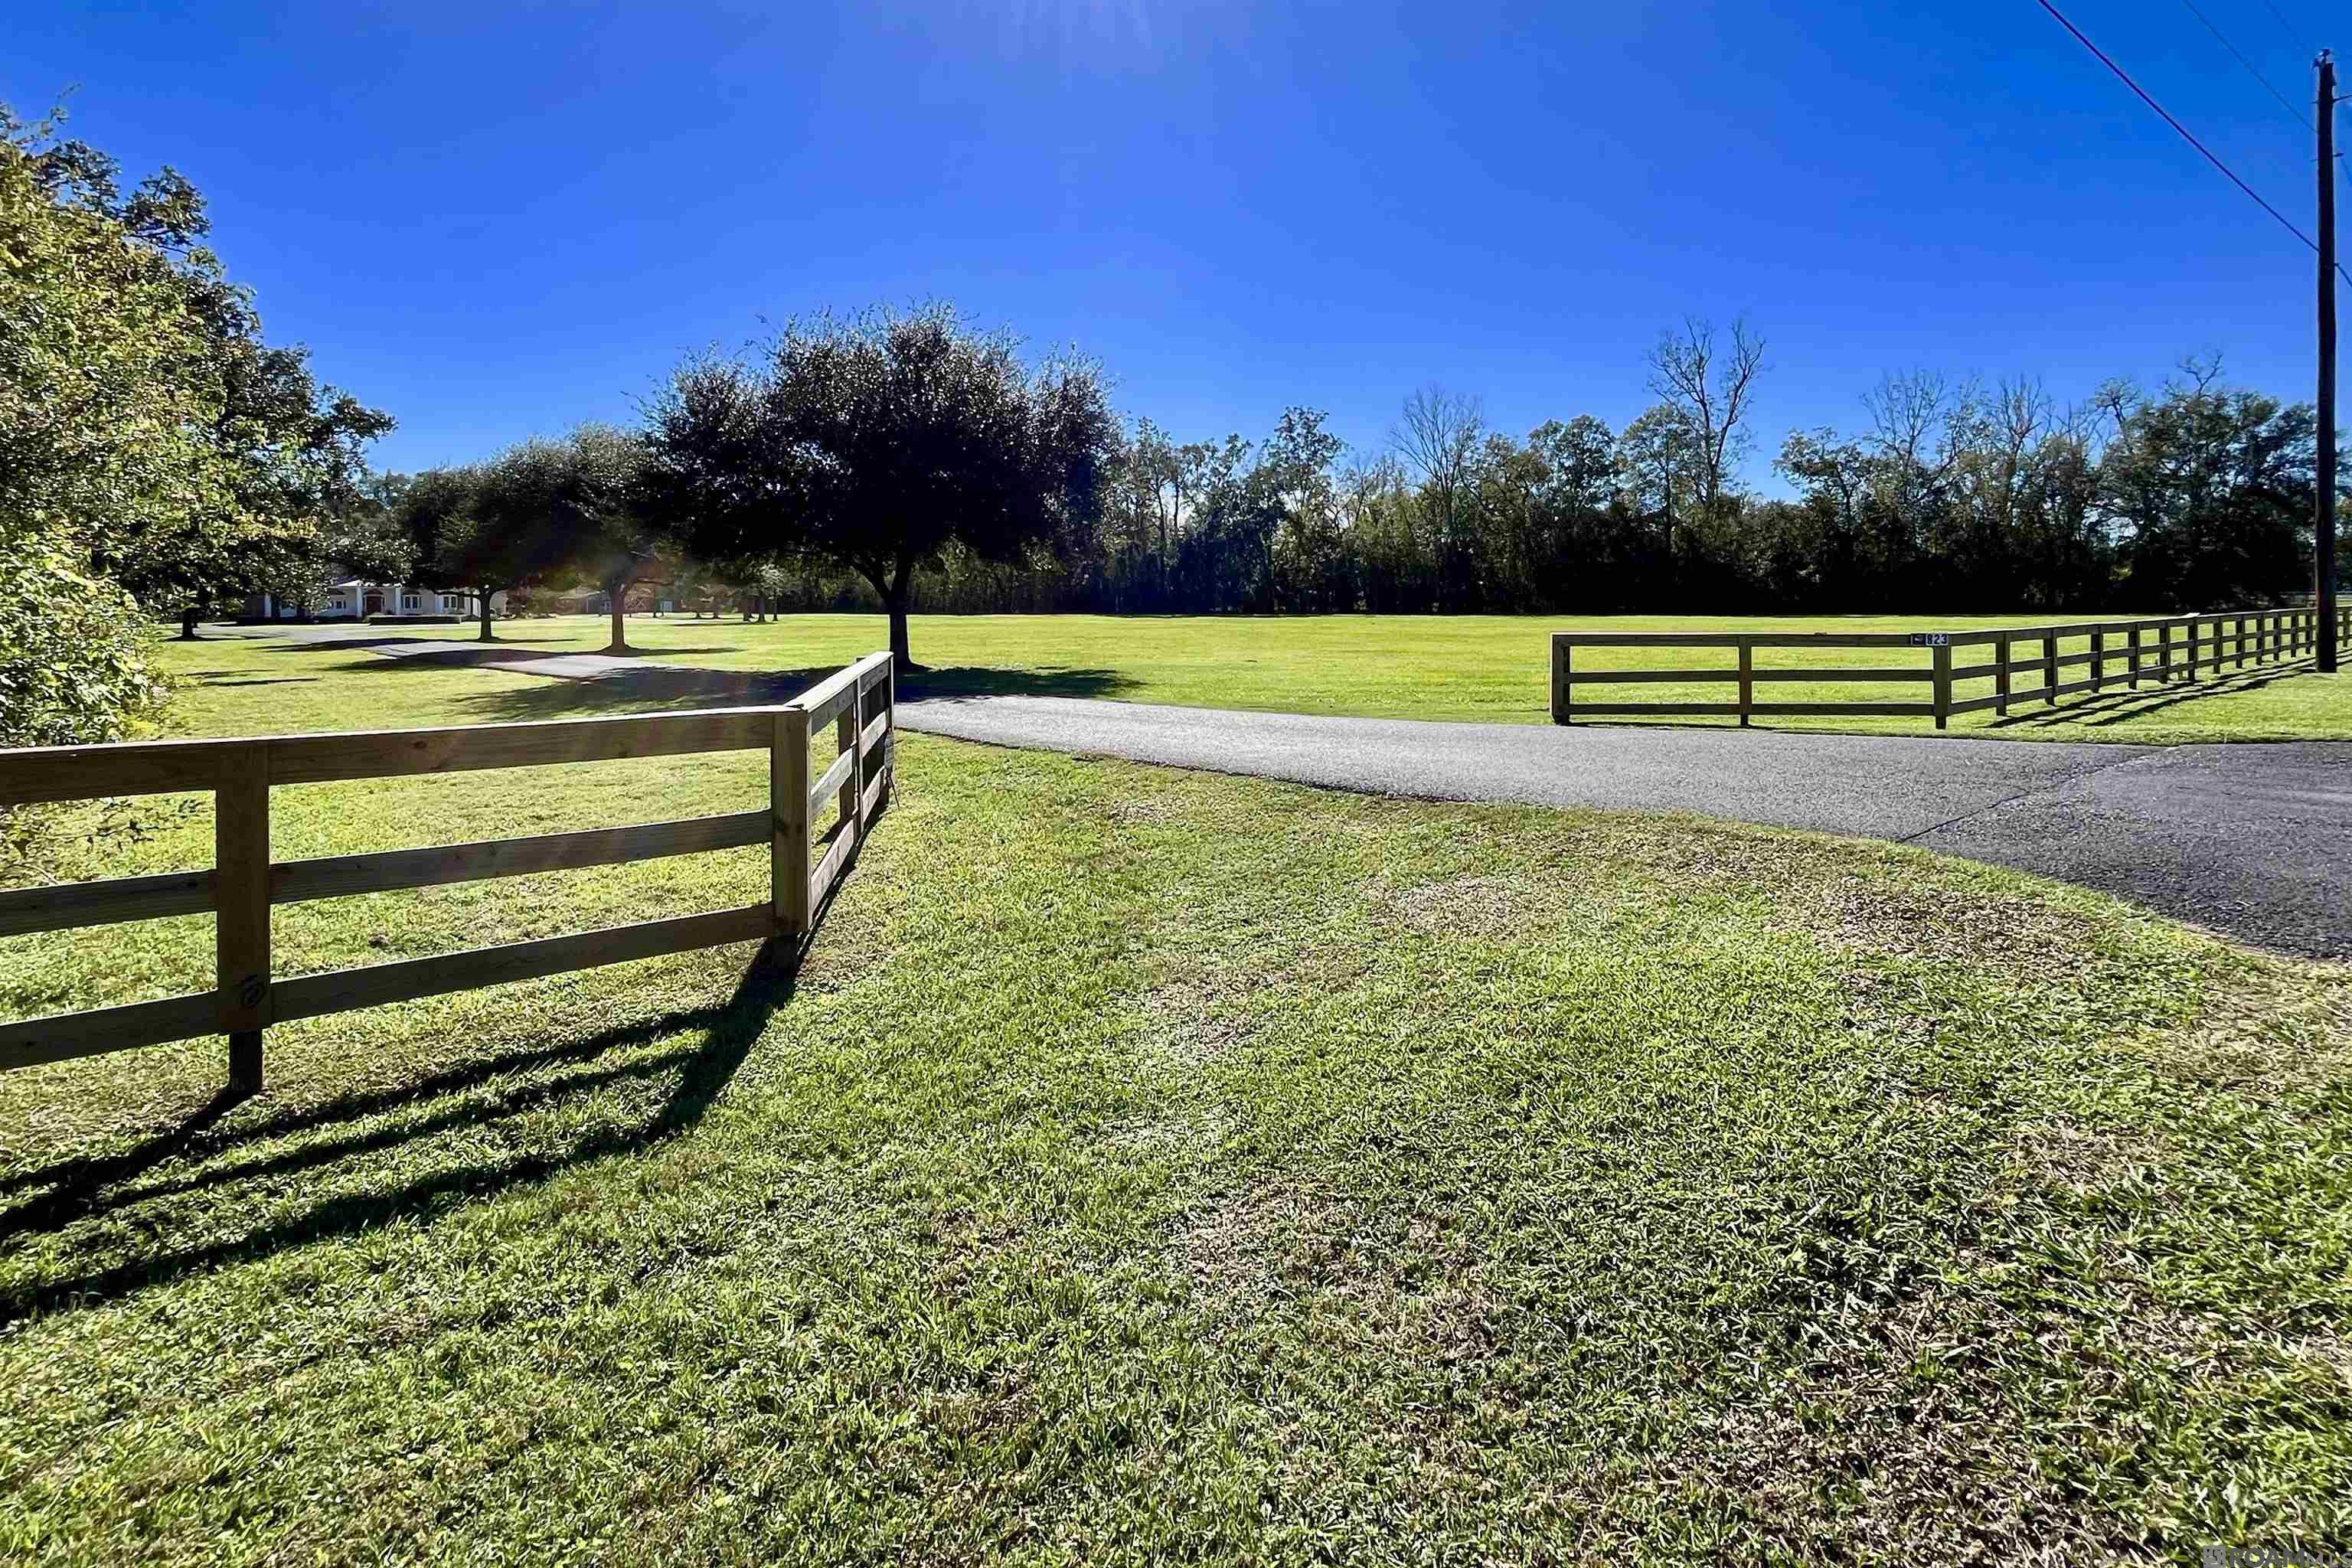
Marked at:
<point>2253,840</point>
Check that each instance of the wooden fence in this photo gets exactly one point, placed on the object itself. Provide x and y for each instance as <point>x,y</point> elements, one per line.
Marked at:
<point>244,883</point>
<point>2027,663</point>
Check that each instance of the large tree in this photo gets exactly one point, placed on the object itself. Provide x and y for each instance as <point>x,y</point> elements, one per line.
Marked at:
<point>571,508</point>
<point>876,442</point>
<point>142,419</point>
<point>2209,489</point>
<point>484,528</point>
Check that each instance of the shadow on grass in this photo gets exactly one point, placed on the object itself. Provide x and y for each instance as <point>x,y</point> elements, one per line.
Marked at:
<point>371,639</point>
<point>2106,709</point>
<point>980,681</point>
<point>87,1187</point>
<point>559,698</point>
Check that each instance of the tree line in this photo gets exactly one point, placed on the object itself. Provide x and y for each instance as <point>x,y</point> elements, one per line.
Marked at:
<point>842,468</point>
<point>1951,494</point>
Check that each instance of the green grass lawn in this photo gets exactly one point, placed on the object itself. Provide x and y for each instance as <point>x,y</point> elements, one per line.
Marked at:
<point>1145,1164</point>
<point>1490,668</point>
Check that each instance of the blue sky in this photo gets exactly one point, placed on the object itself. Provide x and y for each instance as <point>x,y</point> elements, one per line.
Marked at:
<point>493,219</point>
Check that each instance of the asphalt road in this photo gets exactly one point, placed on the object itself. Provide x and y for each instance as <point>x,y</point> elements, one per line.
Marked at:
<point>2253,840</point>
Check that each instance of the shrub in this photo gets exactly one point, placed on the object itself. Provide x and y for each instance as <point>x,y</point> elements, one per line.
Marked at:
<point>73,658</point>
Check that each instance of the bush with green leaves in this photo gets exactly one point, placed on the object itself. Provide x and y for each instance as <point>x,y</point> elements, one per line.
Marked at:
<point>73,661</point>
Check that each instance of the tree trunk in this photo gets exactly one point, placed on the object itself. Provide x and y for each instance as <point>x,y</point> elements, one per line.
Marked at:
<point>618,594</point>
<point>896,595</point>
<point>188,624</point>
<point>487,636</point>
<point>897,604</point>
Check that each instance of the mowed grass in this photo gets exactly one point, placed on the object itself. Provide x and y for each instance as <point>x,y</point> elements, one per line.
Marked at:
<point>1494,668</point>
<point>1149,1165</point>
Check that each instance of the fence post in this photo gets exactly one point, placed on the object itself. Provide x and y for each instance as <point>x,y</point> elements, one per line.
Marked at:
<point>2164,654</point>
<point>241,922</point>
<point>788,804</point>
<point>1746,679</point>
<point>1943,684</point>
<point>2131,660</point>
<point>849,734</point>
<point>2192,650</point>
<point>2050,671</point>
<point>888,692</point>
<point>1561,710</point>
<point>2001,678</point>
<point>2098,661</point>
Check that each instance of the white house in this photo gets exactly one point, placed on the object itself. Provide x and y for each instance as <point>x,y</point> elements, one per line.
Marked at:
<point>356,599</point>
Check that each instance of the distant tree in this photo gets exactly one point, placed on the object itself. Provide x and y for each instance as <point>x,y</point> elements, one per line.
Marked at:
<point>876,442</point>
<point>1713,386</point>
<point>1302,566</point>
<point>1438,437</point>
<point>486,529</point>
<point>1658,458</point>
<point>1157,468</point>
<point>2209,489</point>
<point>574,507</point>
<point>1585,556</point>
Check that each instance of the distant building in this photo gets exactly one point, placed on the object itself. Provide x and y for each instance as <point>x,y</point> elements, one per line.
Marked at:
<point>355,599</point>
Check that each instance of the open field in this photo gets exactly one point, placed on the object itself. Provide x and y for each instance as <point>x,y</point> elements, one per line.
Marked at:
<point>1149,1164</point>
<point>1490,668</point>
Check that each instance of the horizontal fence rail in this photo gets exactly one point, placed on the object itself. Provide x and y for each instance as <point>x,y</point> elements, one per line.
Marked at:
<point>2026,664</point>
<point>242,883</point>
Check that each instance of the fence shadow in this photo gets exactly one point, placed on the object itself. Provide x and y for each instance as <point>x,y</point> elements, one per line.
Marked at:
<point>86,1187</point>
<point>2101,709</point>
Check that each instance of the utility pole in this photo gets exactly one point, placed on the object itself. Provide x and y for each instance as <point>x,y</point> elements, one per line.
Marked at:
<point>2324,523</point>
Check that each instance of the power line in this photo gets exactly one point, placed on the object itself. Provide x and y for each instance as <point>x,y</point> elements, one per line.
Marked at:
<point>2228,173</point>
<point>2285,27</point>
<point>2301,118</point>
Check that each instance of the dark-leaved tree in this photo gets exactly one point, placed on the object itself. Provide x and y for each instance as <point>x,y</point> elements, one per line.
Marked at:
<point>484,528</point>
<point>575,506</point>
<point>2209,489</point>
<point>876,442</point>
